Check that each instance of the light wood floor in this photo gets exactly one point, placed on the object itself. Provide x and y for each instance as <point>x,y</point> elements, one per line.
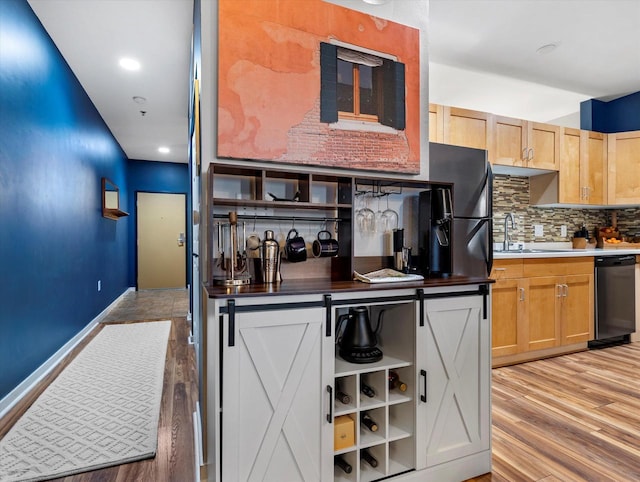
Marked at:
<point>175,459</point>
<point>570,418</point>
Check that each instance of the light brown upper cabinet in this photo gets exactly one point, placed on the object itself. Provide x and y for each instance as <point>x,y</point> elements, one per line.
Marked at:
<point>624,168</point>
<point>436,123</point>
<point>582,176</point>
<point>467,128</point>
<point>594,175</point>
<point>523,143</point>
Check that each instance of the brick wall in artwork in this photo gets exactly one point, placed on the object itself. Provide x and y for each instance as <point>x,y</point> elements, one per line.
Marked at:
<point>314,143</point>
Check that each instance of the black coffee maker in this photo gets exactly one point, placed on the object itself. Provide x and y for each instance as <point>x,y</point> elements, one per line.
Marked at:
<point>435,242</point>
<point>356,340</point>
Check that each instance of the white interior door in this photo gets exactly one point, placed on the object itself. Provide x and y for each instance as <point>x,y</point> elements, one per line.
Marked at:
<point>161,220</point>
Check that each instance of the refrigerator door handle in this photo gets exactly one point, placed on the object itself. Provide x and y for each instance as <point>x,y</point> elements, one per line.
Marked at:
<point>490,215</point>
<point>490,247</point>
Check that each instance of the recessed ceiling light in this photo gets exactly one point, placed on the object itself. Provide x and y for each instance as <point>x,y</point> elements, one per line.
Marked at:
<point>139,100</point>
<point>375,2</point>
<point>129,64</point>
<point>164,150</point>
<point>547,49</point>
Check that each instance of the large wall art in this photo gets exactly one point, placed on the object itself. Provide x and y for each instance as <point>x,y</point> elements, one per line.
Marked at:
<point>309,82</point>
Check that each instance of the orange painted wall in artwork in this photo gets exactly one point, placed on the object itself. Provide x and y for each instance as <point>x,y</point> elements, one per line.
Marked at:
<point>269,85</point>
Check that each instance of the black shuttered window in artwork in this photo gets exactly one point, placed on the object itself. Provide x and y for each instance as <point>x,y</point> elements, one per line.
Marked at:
<point>390,101</point>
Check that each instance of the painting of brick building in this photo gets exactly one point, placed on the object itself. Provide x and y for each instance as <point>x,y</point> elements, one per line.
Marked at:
<point>309,82</point>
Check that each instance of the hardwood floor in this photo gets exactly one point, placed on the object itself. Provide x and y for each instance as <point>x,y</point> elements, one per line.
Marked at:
<point>175,459</point>
<point>570,418</point>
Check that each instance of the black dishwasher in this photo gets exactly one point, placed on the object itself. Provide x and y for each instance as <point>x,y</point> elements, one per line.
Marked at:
<point>615,310</point>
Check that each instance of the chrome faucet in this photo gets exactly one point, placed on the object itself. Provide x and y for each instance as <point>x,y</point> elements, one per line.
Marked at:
<point>508,217</point>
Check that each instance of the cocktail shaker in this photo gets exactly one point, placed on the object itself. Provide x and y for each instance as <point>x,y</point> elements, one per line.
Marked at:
<point>270,257</point>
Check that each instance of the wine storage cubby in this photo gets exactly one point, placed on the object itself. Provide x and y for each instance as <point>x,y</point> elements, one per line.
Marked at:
<point>365,390</point>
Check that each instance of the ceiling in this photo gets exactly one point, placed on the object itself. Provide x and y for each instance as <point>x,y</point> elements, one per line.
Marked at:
<point>598,41</point>
<point>597,54</point>
<point>93,35</point>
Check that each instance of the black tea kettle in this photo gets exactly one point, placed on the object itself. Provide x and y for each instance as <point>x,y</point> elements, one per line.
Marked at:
<point>357,343</point>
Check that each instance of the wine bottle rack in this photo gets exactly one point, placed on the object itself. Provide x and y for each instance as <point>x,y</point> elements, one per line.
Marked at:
<point>394,443</point>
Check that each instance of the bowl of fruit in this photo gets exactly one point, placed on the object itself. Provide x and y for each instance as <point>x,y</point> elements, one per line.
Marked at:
<point>608,237</point>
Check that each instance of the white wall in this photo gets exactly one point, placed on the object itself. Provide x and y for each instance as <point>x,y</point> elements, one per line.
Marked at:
<point>503,95</point>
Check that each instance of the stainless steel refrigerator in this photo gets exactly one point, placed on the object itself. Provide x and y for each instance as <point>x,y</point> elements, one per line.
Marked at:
<point>472,230</point>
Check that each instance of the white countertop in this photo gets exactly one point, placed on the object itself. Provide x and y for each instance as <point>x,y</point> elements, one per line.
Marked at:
<point>561,252</point>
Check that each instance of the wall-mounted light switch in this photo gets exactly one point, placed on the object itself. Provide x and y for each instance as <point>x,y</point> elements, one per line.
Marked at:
<point>538,231</point>
<point>563,231</point>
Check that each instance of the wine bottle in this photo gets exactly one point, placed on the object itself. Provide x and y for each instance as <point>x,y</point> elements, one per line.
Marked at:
<point>367,390</point>
<point>368,422</point>
<point>395,382</point>
<point>343,464</point>
<point>368,458</point>
<point>343,397</point>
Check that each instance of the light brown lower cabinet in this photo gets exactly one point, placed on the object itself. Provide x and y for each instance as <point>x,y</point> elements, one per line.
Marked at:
<point>541,307</point>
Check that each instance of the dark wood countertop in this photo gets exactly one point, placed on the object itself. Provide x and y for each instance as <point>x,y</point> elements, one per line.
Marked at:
<point>315,286</point>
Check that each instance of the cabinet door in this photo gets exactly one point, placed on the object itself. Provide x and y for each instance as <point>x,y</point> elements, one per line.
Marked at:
<point>594,172</point>
<point>571,190</point>
<point>454,349</point>
<point>624,175</point>
<point>508,308</point>
<point>466,128</point>
<point>543,146</point>
<point>274,401</point>
<point>435,123</point>
<point>577,309</point>
<point>543,317</point>
<point>509,141</point>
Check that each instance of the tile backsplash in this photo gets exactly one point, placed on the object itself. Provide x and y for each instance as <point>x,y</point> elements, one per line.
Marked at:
<point>511,194</point>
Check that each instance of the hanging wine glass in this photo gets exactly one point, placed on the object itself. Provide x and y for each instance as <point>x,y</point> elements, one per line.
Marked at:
<point>364,218</point>
<point>391,217</point>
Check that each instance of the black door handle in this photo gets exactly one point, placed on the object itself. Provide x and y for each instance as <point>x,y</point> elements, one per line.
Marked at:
<point>423,397</point>
<point>330,414</point>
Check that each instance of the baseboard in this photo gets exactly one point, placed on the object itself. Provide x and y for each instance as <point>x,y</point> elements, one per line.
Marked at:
<point>15,395</point>
<point>505,360</point>
<point>197,443</point>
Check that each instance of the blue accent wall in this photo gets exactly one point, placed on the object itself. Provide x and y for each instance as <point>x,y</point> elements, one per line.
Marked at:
<point>54,243</point>
<point>162,177</point>
<point>618,115</point>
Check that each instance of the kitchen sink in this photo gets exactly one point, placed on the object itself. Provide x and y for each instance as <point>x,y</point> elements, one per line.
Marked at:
<point>526,250</point>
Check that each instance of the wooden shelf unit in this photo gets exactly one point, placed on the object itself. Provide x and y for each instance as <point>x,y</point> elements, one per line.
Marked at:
<point>111,201</point>
<point>322,198</point>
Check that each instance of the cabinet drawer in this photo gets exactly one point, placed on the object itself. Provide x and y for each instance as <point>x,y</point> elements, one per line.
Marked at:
<point>506,269</point>
<point>557,266</point>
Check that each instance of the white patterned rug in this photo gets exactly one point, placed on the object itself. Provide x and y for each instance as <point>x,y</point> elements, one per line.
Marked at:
<point>102,410</point>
